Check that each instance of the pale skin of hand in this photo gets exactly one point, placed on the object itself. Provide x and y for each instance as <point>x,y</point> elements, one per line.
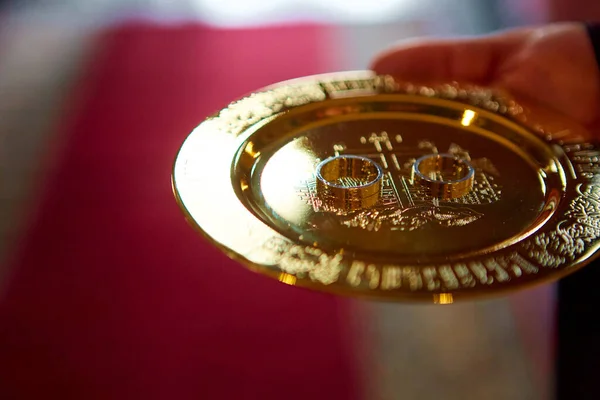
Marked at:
<point>553,65</point>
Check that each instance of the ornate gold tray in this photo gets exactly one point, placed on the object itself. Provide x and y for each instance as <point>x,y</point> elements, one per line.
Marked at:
<point>360,185</point>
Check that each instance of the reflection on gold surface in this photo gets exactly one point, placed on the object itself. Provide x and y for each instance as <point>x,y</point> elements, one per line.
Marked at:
<point>244,185</point>
<point>287,279</point>
<point>468,117</point>
<point>250,150</point>
<point>293,162</point>
<point>443,298</point>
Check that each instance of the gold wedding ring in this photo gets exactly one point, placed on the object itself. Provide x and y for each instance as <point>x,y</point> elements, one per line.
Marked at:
<point>444,175</point>
<point>349,182</point>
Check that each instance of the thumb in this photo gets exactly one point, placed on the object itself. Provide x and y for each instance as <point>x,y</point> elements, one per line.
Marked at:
<point>473,60</point>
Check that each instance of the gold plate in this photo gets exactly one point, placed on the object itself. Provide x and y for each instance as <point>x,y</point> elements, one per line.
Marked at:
<point>361,185</point>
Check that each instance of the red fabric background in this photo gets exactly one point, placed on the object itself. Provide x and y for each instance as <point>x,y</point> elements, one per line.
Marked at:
<point>114,295</point>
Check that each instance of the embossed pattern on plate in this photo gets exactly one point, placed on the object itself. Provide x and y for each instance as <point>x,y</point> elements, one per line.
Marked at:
<point>246,179</point>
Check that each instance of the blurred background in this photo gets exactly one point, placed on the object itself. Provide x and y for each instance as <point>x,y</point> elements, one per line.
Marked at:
<point>101,294</point>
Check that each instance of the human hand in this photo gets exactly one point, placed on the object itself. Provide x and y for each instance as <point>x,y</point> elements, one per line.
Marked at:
<point>553,65</point>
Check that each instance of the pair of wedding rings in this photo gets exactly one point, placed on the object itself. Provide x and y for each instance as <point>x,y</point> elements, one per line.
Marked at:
<point>353,182</point>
